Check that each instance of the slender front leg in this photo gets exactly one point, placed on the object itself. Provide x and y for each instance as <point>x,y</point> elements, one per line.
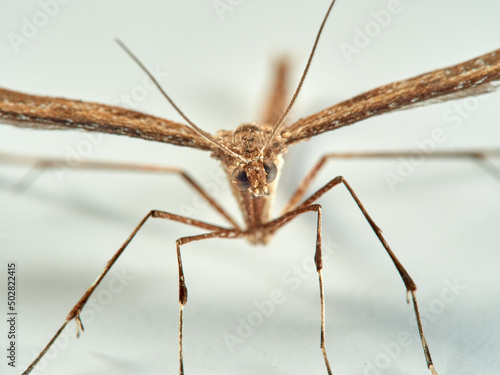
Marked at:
<point>183,293</point>
<point>478,155</point>
<point>318,260</point>
<point>410,285</point>
<point>76,310</point>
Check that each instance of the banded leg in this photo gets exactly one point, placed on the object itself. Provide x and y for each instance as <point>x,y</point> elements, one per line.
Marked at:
<point>318,260</point>
<point>480,156</point>
<point>221,233</point>
<point>410,285</point>
<point>76,310</point>
<point>43,163</point>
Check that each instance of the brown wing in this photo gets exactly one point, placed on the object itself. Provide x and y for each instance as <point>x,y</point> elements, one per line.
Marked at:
<point>40,112</point>
<point>473,77</point>
<point>277,99</point>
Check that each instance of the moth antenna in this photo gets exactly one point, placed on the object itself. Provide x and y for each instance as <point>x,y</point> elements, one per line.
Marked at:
<point>200,132</point>
<point>297,90</point>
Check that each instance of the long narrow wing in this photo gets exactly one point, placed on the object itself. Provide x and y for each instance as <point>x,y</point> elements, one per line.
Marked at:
<point>277,98</point>
<point>40,112</point>
<point>473,77</point>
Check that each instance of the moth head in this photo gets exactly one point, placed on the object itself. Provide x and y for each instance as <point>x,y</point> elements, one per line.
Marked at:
<point>255,176</point>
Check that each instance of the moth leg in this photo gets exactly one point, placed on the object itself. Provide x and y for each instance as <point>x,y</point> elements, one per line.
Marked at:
<point>277,99</point>
<point>221,233</point>
<point>75,311</point>
<point>479,155</point>
<point>44,163</point>
<point>318,260</point>
<point>410,285</point>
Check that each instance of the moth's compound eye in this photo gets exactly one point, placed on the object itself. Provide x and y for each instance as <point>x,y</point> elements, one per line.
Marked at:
<point>271,171</point>
<point>240,178</point>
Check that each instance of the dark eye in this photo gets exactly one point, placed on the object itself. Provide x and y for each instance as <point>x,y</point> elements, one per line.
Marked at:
<point>271,171</point>
<point>240,178</point>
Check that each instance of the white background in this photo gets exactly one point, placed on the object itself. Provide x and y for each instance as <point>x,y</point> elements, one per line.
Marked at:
<point>442,221</point>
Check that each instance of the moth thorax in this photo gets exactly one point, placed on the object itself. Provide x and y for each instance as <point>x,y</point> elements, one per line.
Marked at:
<point>248,140</point>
